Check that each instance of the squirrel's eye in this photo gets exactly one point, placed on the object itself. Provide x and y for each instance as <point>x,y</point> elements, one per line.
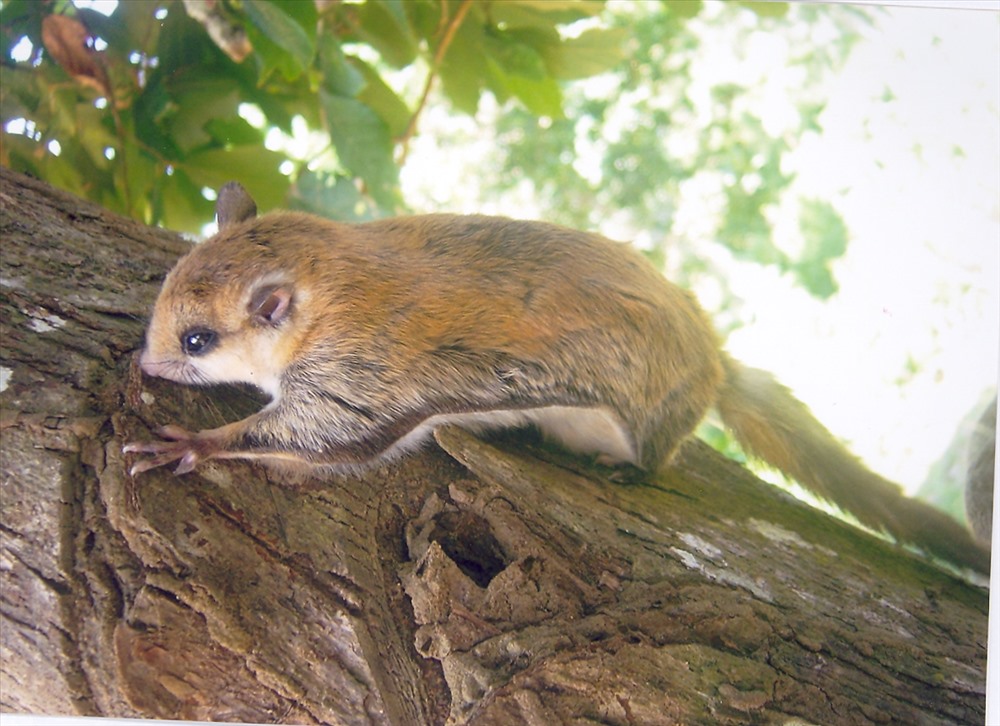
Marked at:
<point>197,341</point>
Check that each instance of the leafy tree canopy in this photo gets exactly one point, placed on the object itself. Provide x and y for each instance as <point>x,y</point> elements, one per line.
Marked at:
<point>146,108</point>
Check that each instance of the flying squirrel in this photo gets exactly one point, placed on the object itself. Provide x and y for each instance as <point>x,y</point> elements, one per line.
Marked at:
<point>367,336</point>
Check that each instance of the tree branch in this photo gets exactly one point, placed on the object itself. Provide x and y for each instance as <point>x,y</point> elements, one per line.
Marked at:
<point>442,49</point>
<point>475,582</point>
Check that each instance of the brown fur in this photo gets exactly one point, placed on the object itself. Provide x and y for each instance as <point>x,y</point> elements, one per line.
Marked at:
<point>395,322</point>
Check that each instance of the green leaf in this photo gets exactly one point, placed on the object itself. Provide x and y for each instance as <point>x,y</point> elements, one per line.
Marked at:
<point>290,24</point>
<point>151,109</point>
<point>384,25</point>
<point>20,18</point>
<point>461,71</point>
<point>94,135</point>
<point>339,76</point>
<point>684,9</point>
<point>19,93</point>
<point>195,101</point>
<point>181,204</point>
<point>281,105</point>
<point>519,70</point>
<point>331,195</point>
<point>272,59</point>
<point>14,11</point>
<point>543,13</point>
<point>233,131</point>
<point>21,154</point>
<point>823,229</point>
<point>126,30</point>
<point>825,236</point>
<point>254,167</point>
<point>817,279</point>
<point>579,8</point>
<point>63,172</point>
<point>592,52</point>
<point>810,114</point>
<point>65,100</point>
<point>382,99</point>
<point>134,169</point>
<point>283,33</point>
<point>183,44</point>
<point>766,9</point>
<point>363,145</point>
<point>542,97</point>
<point>514,57</point>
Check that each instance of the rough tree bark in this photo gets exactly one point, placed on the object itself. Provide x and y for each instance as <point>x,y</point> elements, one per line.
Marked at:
<point>480,583</point>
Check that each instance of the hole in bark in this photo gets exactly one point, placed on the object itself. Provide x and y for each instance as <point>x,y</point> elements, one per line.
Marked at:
<point>468,541</point>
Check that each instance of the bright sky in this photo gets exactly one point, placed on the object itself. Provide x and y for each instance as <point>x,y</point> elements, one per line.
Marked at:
<point>918,182</point>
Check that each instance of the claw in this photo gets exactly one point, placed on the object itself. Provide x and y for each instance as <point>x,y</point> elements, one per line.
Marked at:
<point>179,445</point>
<point>188,462</point>
<point>145,465</point>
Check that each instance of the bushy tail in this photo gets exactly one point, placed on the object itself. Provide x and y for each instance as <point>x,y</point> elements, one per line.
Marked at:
<point>770,423</point>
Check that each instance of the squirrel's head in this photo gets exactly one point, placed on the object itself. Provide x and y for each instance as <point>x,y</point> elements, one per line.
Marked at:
<point>227,310</point>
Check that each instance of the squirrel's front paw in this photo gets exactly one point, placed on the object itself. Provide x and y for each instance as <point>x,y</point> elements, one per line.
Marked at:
<point>180,445</point>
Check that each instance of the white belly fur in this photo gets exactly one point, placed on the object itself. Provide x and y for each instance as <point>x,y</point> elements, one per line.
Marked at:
<point>581,430</point>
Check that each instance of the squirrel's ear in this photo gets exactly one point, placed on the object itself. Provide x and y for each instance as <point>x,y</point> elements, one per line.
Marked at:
<point>234,204</point>
<point>270,304</point>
